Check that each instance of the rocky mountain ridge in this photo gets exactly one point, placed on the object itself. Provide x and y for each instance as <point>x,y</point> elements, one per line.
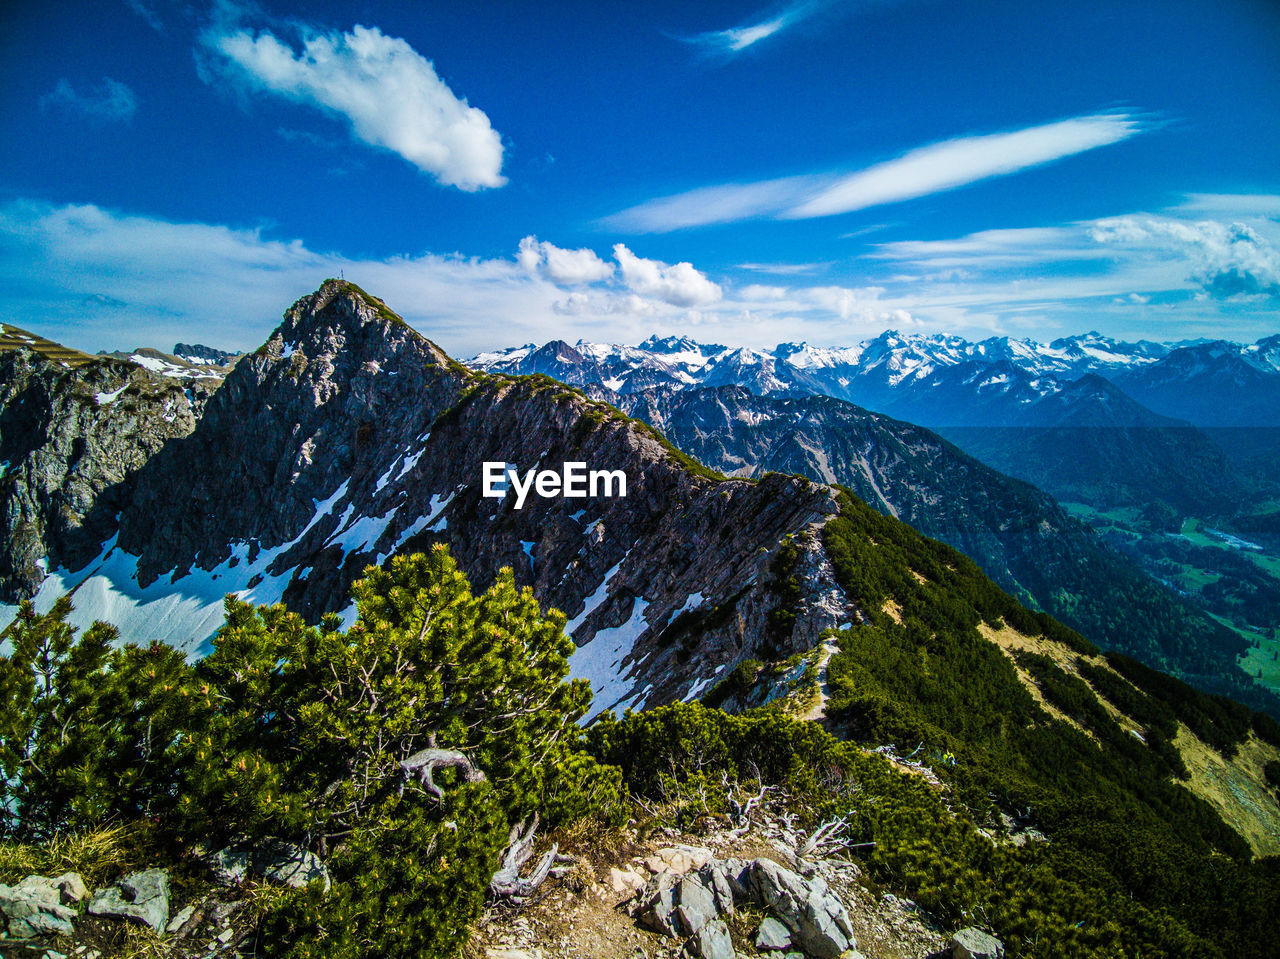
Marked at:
<point>1089,420</point>
<point>367,440</point>
<point>347,438</point>
<point>71,440</point>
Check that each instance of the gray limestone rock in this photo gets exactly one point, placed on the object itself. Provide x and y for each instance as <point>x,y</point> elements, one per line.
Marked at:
<point>142,896</point>
<point>230,866</point>
<point>712,941</point>
<point>818,920</point>
<point>34,908</point>
<point>773,935</point>
<point>72,888</point>
<point>180,920</point>
<point>656,904</point>
<point>291,865</point>
<point>973,943</point>
<point>695,905</point>
<point>727,880</point>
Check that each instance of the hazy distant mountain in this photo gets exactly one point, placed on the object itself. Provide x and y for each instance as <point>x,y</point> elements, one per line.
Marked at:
<point>1212,384</point>
<point>939,380</point>
<point>1085,417</point>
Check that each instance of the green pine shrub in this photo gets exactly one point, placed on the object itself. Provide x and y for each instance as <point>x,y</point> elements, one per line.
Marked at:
<point>296,732</point>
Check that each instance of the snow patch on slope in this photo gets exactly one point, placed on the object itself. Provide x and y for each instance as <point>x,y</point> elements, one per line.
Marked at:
<point>600,661</point>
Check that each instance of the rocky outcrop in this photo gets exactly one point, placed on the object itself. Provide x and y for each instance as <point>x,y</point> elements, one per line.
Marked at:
<point>336,386</point>
<point>274,860</point>
<point>38,907</point>
<point>803,914</point>
<point>72,439</point>
<point>975,944</point>
<point>140,896</point>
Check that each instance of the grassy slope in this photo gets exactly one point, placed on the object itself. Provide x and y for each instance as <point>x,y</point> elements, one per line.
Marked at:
<point>14,338</point>
<point>1040,724</point>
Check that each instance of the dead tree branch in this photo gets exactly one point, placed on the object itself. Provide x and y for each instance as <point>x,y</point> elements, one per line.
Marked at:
<point>742,813</point>
<point>825,839</point>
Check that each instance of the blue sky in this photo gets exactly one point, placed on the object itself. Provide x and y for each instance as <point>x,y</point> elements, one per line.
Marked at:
<point>741,172</point>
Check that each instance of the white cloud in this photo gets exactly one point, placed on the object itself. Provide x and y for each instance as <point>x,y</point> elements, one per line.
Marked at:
<point>736,39</point>
<point>679,285</point>
<point>566,267</point>
<point>958,162</point>
<point>783,269</point>
<point>146,13</point>
<point>1232,204</point>
<point>389,93</point>
<point>725,203</point>
<point>760,292</point>
<point>1192,277</point>
<point>1226,259</point>
<point>110,100</point>
<point>935,168</point>
<point>99,279</point>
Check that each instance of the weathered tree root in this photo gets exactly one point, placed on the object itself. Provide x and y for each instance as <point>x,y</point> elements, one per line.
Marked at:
<point>506,882</point>
<point>426,761</point>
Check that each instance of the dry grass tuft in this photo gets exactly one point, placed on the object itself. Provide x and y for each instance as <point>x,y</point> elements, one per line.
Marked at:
<point>98,855</point>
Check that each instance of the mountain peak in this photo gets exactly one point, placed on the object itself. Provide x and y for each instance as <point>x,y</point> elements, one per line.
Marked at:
<point>669,344</point>
<point>201,355</point>
<point>342,298</point>
<point>341,317</point>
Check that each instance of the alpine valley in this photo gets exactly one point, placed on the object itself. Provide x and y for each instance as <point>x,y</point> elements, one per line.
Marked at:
<point>802,723</point>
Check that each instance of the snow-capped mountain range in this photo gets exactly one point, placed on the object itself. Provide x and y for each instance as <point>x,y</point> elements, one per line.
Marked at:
<point>939,380</point>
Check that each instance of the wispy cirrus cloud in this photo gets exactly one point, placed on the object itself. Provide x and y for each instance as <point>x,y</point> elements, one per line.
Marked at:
<point>389,93</point>
<point>148,14</point>
<point>110,100</point>
<point>734,40</point>
<point>935,168</point>
<point>959,162</point>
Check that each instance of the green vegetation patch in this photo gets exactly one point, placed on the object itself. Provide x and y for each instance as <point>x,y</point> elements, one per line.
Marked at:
<point>1053,900</point>
<point>1114,817</point>
<point>299,732</point>
<point>15,338</point>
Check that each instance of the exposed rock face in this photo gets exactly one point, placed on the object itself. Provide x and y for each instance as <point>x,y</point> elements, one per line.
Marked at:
<point>975,944</point>
<point>1020,537</point>
<point>204,355</point>
<point>819,922</point>
<point>1009,528</point>
<point>71,440</point>
<point>803,912</point>
<point>291,422</point>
